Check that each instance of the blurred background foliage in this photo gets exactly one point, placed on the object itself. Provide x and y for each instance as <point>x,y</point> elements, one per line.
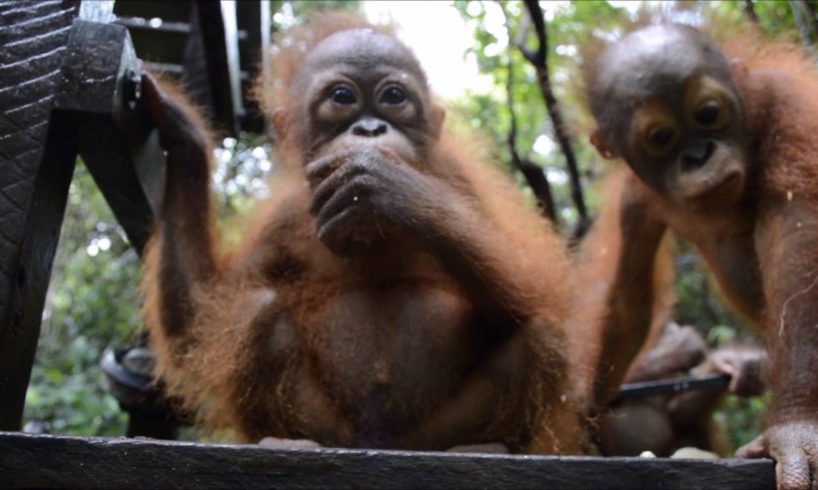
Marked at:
<point>93,302</point>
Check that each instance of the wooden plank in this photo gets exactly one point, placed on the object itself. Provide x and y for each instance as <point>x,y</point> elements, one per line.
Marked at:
<point>102,87</point>
<point>254,57</point>
<point>118,144</point>
<point>148,9</point>
<point>115,167</point>
<point>96,62</point>
<point>144,25</point>
<point>159,46</point>
<point>164,45</point>
<point>18,338</point>
<point>214,26</point>
<point>101,11</point>
<point>33,182</point>
<point>36,461</point>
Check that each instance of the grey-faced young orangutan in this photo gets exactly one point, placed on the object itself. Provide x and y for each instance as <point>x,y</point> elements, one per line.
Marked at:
<point>726,155</point>
<point>392,293</point>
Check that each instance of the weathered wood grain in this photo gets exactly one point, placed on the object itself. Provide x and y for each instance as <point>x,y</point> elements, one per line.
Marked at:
<point>102,83</point>
<point>63,90</point>
<point>30,461</point>
<point>32,46</point>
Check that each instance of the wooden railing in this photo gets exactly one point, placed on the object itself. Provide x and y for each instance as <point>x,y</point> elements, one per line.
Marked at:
<point>35,461</point>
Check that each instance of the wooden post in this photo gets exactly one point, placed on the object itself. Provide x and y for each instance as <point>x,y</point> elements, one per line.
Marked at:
<point>211,62</point>
<point>117,143</point>
<point>68,87</point>
<point>102,87</point>
<point>254,56</point>
<point>36,163</point>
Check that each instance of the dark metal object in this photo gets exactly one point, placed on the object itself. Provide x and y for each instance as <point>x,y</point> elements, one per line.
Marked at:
<point>96,60</point>
<point>128,376</point>
<point>34,461</point>
<point>133,88</point>
<point>675,386</point>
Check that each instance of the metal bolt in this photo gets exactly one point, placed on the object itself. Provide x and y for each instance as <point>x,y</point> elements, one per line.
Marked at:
<point>132,89</point>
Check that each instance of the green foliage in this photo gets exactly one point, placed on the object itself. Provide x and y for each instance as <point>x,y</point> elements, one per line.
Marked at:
<point>287,13</point>
<point>774,17</point>
<point>740,419</point>
<point>570,26</point>
<point>301,8</point>
<point>239,180</point>
<point>698,301</point>
<point>92,303</point>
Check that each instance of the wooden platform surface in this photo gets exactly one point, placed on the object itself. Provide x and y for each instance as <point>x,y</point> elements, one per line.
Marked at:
<point>40,461</point>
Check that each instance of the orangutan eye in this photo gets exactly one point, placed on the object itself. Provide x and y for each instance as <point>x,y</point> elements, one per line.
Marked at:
<point>393,96</point>
<point>343,96</point>
<point>659,139</point>
<point>661,136</point>
<point>708,114</point>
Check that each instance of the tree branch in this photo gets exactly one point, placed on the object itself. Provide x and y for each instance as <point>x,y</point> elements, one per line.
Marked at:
<point>750,11</point>
<point>811,10</point>
<point>539,60</point>
<point>806,22</point>
<point>534,175</point>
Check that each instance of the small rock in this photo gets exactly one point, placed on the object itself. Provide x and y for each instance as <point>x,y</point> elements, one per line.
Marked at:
<point>693,453</point>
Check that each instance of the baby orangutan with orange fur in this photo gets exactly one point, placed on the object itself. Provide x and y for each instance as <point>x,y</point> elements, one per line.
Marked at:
<point>725,154</point>
<point>392,293</point>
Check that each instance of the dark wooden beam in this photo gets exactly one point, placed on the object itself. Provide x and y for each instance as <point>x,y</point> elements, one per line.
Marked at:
<point>216,49</point>
<point>140,24</point>
<point>211,63</point>
<point>34,181</point>
<point>254,57</point>
<point>70,86</point>
<point>113,134</point>
<point>102,85</point>
<point>19,332</point>
<point>173,11</point>
<point>36,461</point>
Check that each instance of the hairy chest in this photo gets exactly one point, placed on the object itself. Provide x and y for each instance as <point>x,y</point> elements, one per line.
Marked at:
<point>402,340</point>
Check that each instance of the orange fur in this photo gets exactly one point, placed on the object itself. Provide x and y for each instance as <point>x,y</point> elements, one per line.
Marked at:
<point>287,339</point>
<point>602,280</point>
<point>760,237</point>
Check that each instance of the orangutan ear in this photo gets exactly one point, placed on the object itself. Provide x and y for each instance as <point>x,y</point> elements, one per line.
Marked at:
<point>602,146</point>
